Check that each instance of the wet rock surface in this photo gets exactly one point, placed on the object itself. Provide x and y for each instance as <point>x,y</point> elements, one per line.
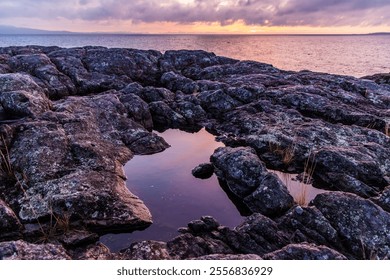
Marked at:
<point>71,118</point>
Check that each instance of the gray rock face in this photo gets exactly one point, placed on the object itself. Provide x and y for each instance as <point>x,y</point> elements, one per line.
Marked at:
<point>363,226</point>
<point>229,257</point>
<point>305,252</point>
<point>21,250</point>
<point>21,96</point>
<point>10,226</point>
<point>146,250</point>
<point>71,118</point>
<point>248,178</point>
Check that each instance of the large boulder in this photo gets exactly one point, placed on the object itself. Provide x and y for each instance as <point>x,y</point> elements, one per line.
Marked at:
<point>248,178</point>
<point>20,96</point>
<point>363,226</point>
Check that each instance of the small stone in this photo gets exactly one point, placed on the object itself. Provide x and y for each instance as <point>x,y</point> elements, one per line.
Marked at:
<point>203,171</point>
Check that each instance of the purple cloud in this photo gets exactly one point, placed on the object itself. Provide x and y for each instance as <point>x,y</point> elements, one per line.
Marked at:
<point>253,12</point>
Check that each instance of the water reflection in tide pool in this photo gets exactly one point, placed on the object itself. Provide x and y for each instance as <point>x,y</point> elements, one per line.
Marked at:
<point>165,183</point>
<point>301,192</point>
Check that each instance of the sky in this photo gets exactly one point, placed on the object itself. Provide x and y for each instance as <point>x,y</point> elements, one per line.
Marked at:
<point>200,16</point>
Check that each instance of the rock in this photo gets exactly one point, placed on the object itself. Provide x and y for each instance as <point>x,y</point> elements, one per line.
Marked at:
<point>21,250</point>
<point>240,167</point>
<point>67,153</point>
<point>151,94</point>
<point>96,251</point>
<point>304,252</point>
<point>192,112</point>
<point>145,250</point>
<point>57,84</point>
<point>71,63</point>
<point>190,62</point>
<point>217,102</point>
<point>205,224</point>
<point>363,226</point>
<point>187,246</point>
<point>72,239</point>
<point>383,199</point>
<point>247,177</point>
<point>10,226</point>
<point>164,116</point>
<point>229,257</point>
<point>203,171</point>
<point>308,224</point>
<point>21,96</point>
<point>137,109</point>
<point>73,159</point>
<point>261,235</point>
<point>271,198</point>
<point>383,78</point>
<point>176,82</point>
<point>331,163</point>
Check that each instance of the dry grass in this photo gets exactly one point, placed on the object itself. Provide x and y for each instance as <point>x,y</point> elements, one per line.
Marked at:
<point>387,129</point>
<point>5,167</point>
<point>309,168</point>
<point>299,197</point>
<point>58,223</point>
<point>286,154</point>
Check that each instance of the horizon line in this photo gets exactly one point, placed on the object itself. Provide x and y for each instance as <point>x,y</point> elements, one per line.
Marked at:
<point>195,34</point>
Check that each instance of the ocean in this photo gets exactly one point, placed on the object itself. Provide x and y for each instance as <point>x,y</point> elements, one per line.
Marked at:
<point>354,55</point>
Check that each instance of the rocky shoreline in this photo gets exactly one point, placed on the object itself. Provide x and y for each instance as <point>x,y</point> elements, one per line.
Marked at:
<point>71,118</point>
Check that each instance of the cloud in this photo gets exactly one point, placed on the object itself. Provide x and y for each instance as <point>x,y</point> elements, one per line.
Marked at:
<point>251,12</point>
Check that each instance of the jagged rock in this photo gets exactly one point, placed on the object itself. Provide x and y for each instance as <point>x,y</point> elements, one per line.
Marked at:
<point>151,94</point>
<point>264,234</point>
<point>331,163</point>
<point>217,101</point>
<point>57,84</point>
<point>191,62</point>
<point>176,82</point>
<point>383,200</point>
<point>72,160</point>
<point>145,250</point>
<point>304,252</point>
<point>247,177</point>
<point>308,224</point>
<point>203,171</point>
<point>271,198</point>
<point>164,116</point>
<point>72,239</point>
<point>96,251</point>
<point>205,224</point>
<point>67,154</point>
<point>363,226</point>
<point>383,78</point>
<point>10,226</point>
<point>21,250</point>
<point>20,96</point>
<point>137,109</point>
<point>221,257</point>
<point>187,246</point>
<point>191,111</point>
<point>240,167</point>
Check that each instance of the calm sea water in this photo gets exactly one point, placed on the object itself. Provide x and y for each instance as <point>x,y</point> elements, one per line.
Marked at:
<point>348,55</point>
